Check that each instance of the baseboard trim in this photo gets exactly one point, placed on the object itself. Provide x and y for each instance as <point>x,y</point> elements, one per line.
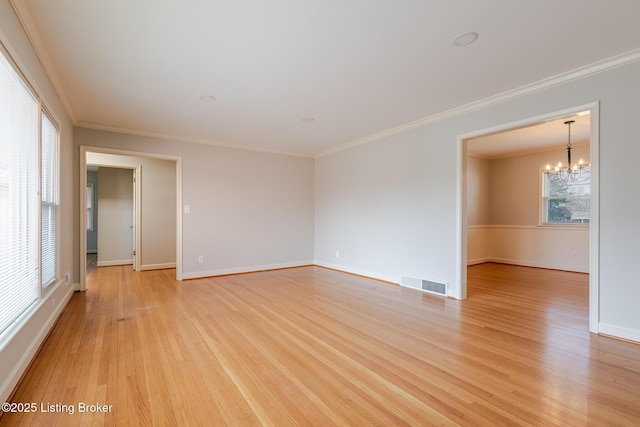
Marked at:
<point>524,263</point>
<point>619,332</point>
<point>9,385</point>
<point>478,261</point>
<point>116,262</point>
<point>359,272</point>
<point>241,270</point>
<point>157,266</point>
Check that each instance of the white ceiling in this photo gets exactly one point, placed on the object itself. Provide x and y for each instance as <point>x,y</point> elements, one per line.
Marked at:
<point>552,134</point>
<point>357,67</point>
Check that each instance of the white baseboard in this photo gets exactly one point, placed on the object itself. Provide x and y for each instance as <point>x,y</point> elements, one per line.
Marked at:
<point>525,263</point>
<point>619,332</point>
<point>478,261</point>
<point>116,262</point>
<point>9,384</point>
<point>359,272</point>
<point>158,266</point>
<point>251,269</point>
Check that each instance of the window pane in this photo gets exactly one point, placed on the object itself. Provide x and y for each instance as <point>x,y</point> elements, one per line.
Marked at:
<point>48,244</point>
<point>49,161</point>
<point>19,204</point>
<point>49,142</point>
<point>582,188</point>
<point>568,211</point>
<point>567,202</point>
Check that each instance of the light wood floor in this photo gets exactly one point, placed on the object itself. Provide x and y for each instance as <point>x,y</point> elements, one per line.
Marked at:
<point>311,346</point>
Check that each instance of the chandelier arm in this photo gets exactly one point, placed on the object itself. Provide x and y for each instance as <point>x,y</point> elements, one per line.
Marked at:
<point>568,173</point>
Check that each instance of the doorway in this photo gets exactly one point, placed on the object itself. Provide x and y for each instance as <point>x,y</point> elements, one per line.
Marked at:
<point>140,161</point>
<point>112,208</point>
<point>463,191</point>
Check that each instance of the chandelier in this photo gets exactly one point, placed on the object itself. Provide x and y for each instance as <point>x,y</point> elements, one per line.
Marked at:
<point>570,172</point>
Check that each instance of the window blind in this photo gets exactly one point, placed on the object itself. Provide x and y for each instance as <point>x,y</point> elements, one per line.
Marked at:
<point>49,206</point>
<point>19,200</point>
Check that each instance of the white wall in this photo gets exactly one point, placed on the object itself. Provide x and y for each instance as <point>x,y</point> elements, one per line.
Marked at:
<point>157,205</point>
<point>387,207</point>
<point>560,248</point>
<point>503,215</point>
<point>390,205</point>
<point>515,185</point>
<point>478,191</point>
<point>115,216</point>
<point>248,210</point>
<point>19,344</point>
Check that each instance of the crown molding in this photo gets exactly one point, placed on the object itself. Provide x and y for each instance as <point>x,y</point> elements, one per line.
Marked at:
<point>21,8</point>
<point>549,149</point>
<point>559,79</point>
<point>167,137</point>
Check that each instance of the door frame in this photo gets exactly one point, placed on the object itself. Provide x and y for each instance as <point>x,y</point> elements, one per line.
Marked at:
<point>84,149</point>
<point>594,225</point>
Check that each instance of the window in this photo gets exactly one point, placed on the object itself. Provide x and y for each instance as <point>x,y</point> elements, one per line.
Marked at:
<point>567,202</point>
<point>28,195</point>
<point>49,193</point>
<point>88,195</point>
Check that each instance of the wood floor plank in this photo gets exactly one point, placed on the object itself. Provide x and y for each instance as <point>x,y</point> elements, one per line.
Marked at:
<point>312,346</point>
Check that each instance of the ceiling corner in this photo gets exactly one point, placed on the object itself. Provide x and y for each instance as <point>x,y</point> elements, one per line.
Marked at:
<point>21,8</point>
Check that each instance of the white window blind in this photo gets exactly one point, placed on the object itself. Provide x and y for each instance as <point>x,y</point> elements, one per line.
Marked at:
<point>19,200</point>
<point>50,202</point>
<point>88,195</point>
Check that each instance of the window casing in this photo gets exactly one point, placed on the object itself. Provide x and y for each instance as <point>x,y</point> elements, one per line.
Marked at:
<point>29,195</point>
<point>566,203</point>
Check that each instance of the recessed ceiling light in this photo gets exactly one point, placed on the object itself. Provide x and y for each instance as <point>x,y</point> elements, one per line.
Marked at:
<point>207,98</point>
<point>465,39</point>
<point>308,120</point>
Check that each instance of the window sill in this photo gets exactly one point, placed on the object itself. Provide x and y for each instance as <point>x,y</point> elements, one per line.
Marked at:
<point>565,226</point>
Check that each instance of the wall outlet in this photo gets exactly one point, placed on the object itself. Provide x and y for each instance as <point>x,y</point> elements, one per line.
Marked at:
<point>337,254</point>
<point>200,259</point>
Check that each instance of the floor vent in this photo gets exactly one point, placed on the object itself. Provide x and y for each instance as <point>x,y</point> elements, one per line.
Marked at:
<point>424,285</point>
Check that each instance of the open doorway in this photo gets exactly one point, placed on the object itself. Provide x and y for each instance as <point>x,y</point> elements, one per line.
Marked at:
<point>155,228</point>
<point>531,242</point>
<point>112,208</point>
